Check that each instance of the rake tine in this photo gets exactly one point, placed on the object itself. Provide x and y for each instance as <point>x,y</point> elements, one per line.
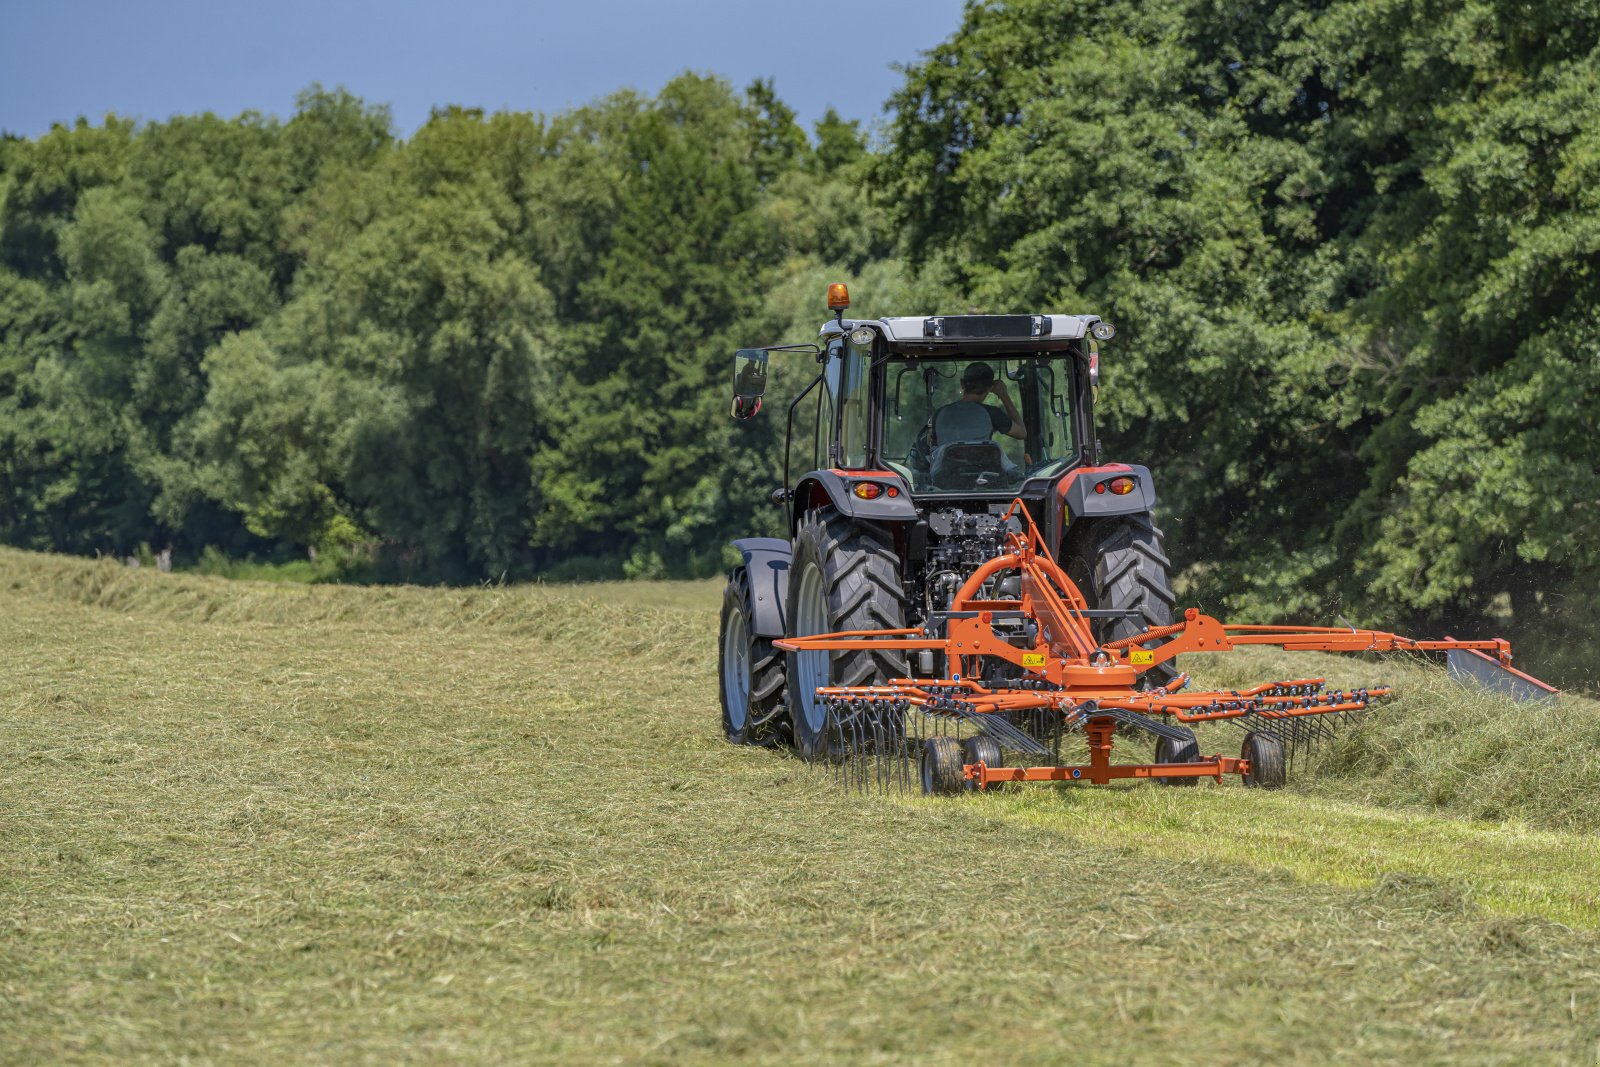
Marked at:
<point>837,746</point>
<point>883,745</point>
<point>878,740</point>
<point>855,752</point>
<point>1296,738</point>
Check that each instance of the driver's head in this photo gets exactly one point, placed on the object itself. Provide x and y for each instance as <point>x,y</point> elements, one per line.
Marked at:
<point>977,377</point>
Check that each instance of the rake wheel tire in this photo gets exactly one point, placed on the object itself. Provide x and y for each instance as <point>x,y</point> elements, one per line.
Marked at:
<point>1268,769</point>
<point>1119,564</point>
<point>751,669</point>
<point>941,767</point>
<point>981,748</point>
<point>1170,751</point>
<point>842,576</point>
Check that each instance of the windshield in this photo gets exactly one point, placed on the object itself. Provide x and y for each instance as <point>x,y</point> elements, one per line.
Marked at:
<point>978,425</point>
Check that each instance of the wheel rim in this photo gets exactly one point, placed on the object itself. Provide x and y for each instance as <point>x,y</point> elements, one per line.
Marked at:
<point>736,670</point>
<point>812,668</point>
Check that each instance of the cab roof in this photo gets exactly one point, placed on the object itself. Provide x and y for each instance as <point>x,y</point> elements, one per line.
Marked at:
<point>954,335</point>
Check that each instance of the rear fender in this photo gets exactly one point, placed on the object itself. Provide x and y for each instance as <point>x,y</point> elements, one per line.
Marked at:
<point>1076,499</point>
<point>837,487</point>
<point>767,561</point>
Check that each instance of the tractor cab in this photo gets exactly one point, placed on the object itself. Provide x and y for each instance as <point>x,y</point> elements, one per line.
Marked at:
<point>965,417</point>
<point>945,411</point>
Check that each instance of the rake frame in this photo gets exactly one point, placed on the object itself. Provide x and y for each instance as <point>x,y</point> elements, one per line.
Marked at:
<point>1077,683</point>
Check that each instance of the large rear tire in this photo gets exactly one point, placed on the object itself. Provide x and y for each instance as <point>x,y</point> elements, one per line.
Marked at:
<point>1119,564</point>
<point>751,669</point>
<point>841,577</point>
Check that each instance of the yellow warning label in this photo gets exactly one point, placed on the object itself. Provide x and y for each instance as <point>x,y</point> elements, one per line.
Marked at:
<point>1141,657</point>
<point>1033,659</point>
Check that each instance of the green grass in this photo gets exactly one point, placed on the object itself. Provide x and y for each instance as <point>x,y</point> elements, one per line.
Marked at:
<point>243,822</point>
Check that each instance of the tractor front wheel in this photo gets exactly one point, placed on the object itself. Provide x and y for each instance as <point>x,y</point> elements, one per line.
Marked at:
<point>752,670</point>
<point>841,577</point>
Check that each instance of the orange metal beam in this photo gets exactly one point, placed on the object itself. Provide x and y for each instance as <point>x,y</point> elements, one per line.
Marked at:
<point>1216,767</point>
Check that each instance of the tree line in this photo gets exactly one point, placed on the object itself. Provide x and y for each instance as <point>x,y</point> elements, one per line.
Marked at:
<point>489,350</point>
<point>1350,246</point>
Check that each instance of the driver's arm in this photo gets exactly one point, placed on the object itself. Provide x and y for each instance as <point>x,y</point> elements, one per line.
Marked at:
<point>1018,430</point>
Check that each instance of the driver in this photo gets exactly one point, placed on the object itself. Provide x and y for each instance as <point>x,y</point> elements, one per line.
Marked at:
<point>977,382</point>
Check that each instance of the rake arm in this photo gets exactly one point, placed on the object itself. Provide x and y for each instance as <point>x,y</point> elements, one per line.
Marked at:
<point>1202,633</point>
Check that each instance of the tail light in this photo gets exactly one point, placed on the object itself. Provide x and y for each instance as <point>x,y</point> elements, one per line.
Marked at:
<point>1118,486</point>
<point>873,490</point>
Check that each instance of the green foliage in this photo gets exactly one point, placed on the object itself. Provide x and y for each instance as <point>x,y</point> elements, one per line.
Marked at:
<point>1352,250</point>
<point>493,348</point>
<point>1350,246</point>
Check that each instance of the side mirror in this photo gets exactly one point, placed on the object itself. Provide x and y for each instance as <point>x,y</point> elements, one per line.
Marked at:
<point>749,381</point>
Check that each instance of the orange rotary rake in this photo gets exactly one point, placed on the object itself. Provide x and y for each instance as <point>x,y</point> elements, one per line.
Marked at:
<point>1023,672</point>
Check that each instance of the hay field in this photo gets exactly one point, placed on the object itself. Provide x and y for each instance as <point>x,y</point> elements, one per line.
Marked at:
<point>251,823</point>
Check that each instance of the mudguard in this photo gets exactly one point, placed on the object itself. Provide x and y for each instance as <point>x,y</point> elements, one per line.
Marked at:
<point>1077,494</point>
<point>835,487</point>
<point>1076,499</point>
<point>767,561</point>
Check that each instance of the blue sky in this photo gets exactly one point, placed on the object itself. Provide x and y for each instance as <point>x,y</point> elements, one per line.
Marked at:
<point>151,60</point>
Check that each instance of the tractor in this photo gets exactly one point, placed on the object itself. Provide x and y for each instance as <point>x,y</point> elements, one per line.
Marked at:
<point>966,577</point>
<point>910,472</point>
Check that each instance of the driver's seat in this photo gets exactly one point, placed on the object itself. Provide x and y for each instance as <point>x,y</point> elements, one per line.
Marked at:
<point>962,450</point>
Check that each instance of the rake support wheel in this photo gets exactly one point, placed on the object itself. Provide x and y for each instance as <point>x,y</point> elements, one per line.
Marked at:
<point>940,764</point>
<point>751,669</point>
<point>1171,751</point>
<point>1119,564</point>
<point>982,749</point>
<point>1267,766</point>
<point>842,576</point>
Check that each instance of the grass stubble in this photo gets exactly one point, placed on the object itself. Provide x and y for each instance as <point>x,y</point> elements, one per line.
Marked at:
<point>242,822</point>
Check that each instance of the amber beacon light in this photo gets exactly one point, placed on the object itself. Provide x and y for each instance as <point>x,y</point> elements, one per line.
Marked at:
<point>838,296</point>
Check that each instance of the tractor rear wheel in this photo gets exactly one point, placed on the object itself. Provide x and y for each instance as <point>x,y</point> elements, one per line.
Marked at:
<point>1118,565</point>
<point>1267,767</point>
<point>752,670</point>
<point>1169,750</point>
<point>841,577</point>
